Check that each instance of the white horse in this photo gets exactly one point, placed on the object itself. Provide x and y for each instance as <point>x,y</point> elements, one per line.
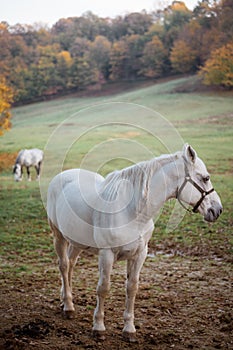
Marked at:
<point>113,217</point>
<point>27,158</point>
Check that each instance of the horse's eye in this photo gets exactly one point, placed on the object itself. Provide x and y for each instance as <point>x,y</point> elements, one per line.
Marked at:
<point>206,178</point>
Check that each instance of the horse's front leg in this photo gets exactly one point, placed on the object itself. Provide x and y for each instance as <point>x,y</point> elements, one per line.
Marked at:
<point>133,271</point>
<point>106,259</point>
<point>28,172</point>
<point>21,174</point>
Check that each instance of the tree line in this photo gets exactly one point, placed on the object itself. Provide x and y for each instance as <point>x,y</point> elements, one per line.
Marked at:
<point>79,52</point>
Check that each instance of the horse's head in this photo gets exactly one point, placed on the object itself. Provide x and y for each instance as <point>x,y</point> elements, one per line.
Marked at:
<point>17,172</point>
<point>195,187</point>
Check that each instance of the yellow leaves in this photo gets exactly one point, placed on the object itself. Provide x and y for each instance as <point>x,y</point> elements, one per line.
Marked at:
<point>118,56</point>
<point>154,56</point>
<point>182,57</point>
<point>6,98</point>
<point>3,27</point>
<point>65,56</point>
<point>101,42</point>
<point>218,69</point>
<point>100,52</point>
<point>179,6</point>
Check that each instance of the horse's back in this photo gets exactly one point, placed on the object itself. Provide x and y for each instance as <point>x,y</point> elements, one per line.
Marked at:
<point>34,155</point>
<point>72,197</point>
<point>30,157</point>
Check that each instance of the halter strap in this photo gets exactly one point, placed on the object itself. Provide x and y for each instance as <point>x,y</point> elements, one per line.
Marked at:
<point>203,192</point>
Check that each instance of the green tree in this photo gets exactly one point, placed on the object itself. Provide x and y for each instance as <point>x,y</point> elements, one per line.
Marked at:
<point>206,14</point>
<point>83,73</point>
<point>175,17</point>
<point>135,46</point>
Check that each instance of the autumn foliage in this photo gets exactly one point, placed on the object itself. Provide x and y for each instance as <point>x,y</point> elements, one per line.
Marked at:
<point>79,52</point>
<point>6,98</point>
<point>183,58</point>
<point>6,160</point>
<point>218,69</point>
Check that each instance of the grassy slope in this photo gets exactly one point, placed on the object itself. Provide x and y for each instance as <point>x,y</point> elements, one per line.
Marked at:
<point>203,119</point>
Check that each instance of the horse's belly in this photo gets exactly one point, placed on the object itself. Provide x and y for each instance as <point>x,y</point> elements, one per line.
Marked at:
<point>75,215</point>
<point>77,231</point>
<point>83,247</point>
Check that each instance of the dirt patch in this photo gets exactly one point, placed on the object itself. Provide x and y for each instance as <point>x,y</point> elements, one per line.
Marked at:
<point>182,303</point>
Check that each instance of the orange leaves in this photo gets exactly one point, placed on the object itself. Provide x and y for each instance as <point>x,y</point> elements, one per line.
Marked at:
<point>179,6</point>
<point>7,160</point>
<point>6,98</point>
<point>66,57</point>
<point>218,69</point>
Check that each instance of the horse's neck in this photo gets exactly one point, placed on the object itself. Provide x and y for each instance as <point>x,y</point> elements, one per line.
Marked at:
<point>164,184</point>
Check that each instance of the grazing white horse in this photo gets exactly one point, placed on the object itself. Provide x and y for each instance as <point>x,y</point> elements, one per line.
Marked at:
<point>27,158</point>
<point>112,216</point>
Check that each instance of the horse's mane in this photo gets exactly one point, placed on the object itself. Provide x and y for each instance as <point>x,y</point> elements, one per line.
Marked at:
<point>19,156</point>
<point>139,176</point>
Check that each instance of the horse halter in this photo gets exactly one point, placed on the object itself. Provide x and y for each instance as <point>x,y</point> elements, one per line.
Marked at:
<point>203,192</point>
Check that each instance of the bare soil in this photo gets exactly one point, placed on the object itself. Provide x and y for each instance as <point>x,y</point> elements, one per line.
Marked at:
<point>184,302</point>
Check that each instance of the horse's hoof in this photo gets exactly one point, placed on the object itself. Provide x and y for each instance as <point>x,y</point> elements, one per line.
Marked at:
<point>130,337</point>
<point>99,335</point>
<point>68,315</point>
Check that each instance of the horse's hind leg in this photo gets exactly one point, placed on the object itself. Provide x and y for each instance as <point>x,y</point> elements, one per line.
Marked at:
<point>61,247</point>
<point>73,254</point>
<point>38,168</point>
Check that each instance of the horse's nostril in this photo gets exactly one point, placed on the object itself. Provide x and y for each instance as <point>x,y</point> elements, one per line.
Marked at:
<point>211,211</point>
<point>215,212</point>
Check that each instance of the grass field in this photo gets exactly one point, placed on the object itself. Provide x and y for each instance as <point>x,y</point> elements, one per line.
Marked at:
<point>98,139</point>
<point>204,120</point>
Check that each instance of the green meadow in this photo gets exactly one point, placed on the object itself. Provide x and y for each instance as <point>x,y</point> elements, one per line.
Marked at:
<point>104,133</point>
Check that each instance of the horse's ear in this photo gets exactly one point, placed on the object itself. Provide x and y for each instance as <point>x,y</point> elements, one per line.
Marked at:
<point>189,153</point>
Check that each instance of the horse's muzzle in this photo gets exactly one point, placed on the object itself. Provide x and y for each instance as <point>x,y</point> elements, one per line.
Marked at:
<point>213,213</point>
